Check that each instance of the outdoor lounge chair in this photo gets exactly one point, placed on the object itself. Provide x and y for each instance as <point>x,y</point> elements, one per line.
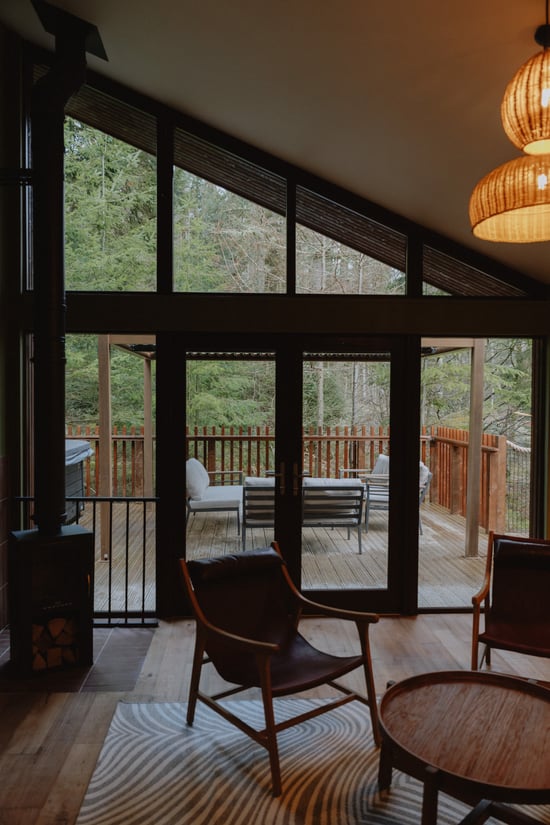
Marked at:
<point>378,493</point>
<point>202,497</point>
<point>377,482</point>
<point>247,612</point>
<point>377,496</point>
<point>378,487</point>
<point>513,598</point>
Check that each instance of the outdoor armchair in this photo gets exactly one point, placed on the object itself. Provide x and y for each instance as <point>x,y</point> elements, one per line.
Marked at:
<point>377,483</point>
<point>247,612</point>
<point>204,497</point>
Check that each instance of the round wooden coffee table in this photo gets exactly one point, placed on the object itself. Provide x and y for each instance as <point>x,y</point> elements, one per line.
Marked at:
<point>481,737</point>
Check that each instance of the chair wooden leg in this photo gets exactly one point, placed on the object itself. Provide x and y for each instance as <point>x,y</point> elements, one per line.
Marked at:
<point>475,643</point>
<point>369,681</point>
<point>271,734</point>
<point>195,677</point>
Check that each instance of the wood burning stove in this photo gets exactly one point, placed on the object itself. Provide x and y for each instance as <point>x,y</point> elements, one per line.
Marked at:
<point>51,599</point>
<point>50,581</point>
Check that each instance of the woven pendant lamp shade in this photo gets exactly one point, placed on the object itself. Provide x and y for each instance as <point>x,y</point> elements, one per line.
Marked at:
<point>525,109</point>
<point>512,203</point>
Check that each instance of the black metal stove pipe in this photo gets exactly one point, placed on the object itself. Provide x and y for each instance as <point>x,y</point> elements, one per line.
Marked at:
<point>50,95</point>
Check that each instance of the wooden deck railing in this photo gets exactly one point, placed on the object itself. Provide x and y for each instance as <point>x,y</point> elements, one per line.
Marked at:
<point>448,461</point>
<point>127,450</point>
<point>251,450</point>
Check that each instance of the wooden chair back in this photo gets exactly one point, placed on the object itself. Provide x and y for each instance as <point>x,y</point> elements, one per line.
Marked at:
<point>520,580</point>
<point>513,599</point>
<point>243,594</point>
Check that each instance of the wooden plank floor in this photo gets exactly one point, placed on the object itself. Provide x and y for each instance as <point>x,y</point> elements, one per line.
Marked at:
<point>50,740</point>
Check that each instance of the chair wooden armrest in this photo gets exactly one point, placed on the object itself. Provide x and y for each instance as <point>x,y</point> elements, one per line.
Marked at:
<point>339,613</point>
<point>483,592</point>
<point>240,643</point>
<point>356,616</point>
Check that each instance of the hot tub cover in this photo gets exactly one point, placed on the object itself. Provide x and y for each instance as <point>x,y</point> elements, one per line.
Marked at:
<point>76,451</point>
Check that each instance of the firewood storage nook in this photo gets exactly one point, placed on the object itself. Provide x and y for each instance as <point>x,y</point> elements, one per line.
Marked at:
<point>51,599</point>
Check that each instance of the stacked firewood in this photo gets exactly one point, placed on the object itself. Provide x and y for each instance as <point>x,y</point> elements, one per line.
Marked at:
<point>54,643</point>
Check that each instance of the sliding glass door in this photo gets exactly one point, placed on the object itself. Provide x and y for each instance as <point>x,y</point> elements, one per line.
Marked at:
<point>346,480</point>
<point>306,436</point>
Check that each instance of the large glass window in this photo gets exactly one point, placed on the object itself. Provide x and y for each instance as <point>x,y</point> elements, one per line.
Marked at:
<point>110,212</point>
<point>327,266</point>
<point>346,449</point>
<point>110,465</point>
<point>452,556</point>
<point>341,251</point>
<point>230,415</point>
<point>223,242</point>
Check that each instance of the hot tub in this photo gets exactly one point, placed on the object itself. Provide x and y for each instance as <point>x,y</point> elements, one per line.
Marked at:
<point>76,452</point>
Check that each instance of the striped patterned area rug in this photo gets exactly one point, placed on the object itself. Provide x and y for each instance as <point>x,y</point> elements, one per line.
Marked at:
<point>155,770</point>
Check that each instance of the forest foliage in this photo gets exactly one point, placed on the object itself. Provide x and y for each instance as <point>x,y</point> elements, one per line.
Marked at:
<point>225,243</point>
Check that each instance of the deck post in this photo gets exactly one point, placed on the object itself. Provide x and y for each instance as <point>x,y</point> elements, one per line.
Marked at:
<point>473,488</point>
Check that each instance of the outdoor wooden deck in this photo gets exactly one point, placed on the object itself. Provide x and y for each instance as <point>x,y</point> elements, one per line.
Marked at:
<point>330,559</point>
<point>125,578</point>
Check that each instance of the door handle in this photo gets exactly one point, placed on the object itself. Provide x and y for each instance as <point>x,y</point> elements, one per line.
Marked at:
<point>297,479</point>
<point>281,477</point>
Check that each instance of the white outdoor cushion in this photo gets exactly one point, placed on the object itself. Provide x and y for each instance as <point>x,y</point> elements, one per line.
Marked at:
<point>197,479</point>
<point>308,481</point>
<point>382,465</point>
<point>423,475</point>
<point>228,497</point>
<point>331,482</point>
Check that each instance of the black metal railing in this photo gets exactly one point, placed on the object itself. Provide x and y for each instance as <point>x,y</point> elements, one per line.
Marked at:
<point>124,546</point>
<point>518,488</point>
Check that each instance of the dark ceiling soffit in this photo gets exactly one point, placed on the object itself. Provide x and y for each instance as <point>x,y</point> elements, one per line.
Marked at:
<point>142,123</point>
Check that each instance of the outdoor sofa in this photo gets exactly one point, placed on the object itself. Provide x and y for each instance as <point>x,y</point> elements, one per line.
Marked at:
<point>326,502</point>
